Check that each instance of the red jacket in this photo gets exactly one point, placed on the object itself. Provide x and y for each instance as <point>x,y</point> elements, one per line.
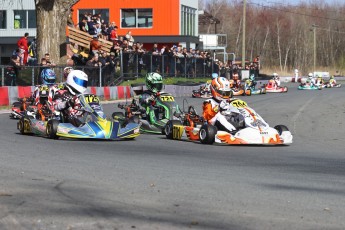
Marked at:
<point>23,43</point>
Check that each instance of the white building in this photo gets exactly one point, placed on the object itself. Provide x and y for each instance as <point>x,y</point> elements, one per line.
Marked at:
<point>17,17</point>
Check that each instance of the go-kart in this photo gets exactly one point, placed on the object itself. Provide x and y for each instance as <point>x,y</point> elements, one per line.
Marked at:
<point>272,87</point>
<point>94,124</point>
<point>19,107</point>
<point>240,91</point>
<point>203,92</point>
<point>308,86</point>
<point>249,84</point>
<point>251,129</point>
<point>165,109</point>
<point>334,85</point>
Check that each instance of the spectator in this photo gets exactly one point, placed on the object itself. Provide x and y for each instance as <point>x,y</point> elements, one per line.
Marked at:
<point>130,38</point>
<point>32,50</point>
<point>93,70</point>
<point>82,24</point>
<point>23,47</point>
<point>113,34</point>
<point>92,27</point>
<point>13,71</point>
<point>95,46</point>
<point>48,61</point>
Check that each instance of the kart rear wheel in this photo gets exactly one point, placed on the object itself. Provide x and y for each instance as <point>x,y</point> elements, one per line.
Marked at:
<point>21,125</point>
<point>168,129</point>
<point>51,129</point>
<point>285,89</point>
<point>118,115</point>
<point>207,134</point>
<point>281,129</point>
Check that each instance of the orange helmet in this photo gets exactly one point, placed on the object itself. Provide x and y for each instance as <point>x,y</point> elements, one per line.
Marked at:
<point>220,88</point>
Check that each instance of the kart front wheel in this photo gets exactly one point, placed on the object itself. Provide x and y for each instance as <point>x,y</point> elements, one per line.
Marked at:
<point>285,89</point>
<point>51,129</point>
<point>281,129</point>
<point>207,134</point>
<point>169,127</point>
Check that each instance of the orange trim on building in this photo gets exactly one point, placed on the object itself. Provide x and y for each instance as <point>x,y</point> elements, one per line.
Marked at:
<point>165,15</point>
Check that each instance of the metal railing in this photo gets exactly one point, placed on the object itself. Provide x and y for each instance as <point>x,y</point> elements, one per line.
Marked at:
<point>127,65</point>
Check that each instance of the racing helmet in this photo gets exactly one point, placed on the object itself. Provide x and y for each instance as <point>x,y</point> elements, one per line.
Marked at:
<point>154,82</point>
<point>310,75</point>
<point>235,76</point>
<point>252,77</point>
<point>66,71</point>
<point>48,76</point>
<point>275,76</point>
<point>331,77</point>
<point>76,82</point>
<point>220,88</point>
<point>214,75</point>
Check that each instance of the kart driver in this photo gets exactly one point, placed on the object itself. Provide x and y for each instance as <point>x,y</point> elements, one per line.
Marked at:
<point>66,101</point>
<point>332,82</point>
<point>251,81</point>
<point>311,80</point>
<point>276,79</point>
<point>213,108</point>
<point>235,82</point>
<point>319,81</point>
<point>154,85</point>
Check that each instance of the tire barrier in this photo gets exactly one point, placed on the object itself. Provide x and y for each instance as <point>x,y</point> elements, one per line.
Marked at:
<point>10,94</point>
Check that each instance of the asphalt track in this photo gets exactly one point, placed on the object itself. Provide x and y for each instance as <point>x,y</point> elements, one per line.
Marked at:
<point>154,183</point>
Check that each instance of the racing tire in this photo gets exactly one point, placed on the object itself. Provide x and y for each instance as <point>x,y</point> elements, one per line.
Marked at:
<point>207,134</point>
<point>285,89</point>
<point>51,129</point>
<point>281,129</point>
<point>168,128</point>
<point>21,126</point>
<point>263,91</point>
<point>247,92</point>
<point>118,115</point>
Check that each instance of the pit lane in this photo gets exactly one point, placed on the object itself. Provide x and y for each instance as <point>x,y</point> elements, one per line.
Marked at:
<point>154,183</point>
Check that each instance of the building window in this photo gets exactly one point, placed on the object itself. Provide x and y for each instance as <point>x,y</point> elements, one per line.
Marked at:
<point>188,16</point>
<point>103,12</point>
<point>24,19</point>
<point>136,18</point>
<point>3,18</point>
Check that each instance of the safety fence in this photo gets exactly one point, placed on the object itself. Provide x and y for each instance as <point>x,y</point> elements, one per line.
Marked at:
<point>10,94</point>
<point>112,70</point>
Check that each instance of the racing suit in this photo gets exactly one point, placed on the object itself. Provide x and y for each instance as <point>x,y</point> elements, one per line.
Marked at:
<point>69,106</point>
<point>43,98</point>
<point>332,82</point>
<point>147,101</point>
<point>212,113</point>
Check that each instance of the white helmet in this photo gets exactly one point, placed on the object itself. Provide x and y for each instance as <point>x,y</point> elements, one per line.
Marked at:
<point>76,82</point>
<point>310,75</point>
<point>275,75</point>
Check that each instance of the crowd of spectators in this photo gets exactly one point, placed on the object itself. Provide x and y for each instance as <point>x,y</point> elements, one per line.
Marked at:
<point>130,56</point>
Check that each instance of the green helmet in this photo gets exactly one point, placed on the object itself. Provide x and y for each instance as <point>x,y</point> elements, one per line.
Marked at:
<point>154,82</point>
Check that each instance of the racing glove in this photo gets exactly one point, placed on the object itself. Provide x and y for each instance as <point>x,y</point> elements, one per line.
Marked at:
<point>223,106</point>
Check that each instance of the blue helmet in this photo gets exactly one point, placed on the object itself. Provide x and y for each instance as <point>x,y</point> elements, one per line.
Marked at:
<point>214,75</point>
<point>252,77</point>
<point>48,76</point>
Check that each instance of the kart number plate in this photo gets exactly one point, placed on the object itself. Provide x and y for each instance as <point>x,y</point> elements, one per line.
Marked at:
<point>177,131</point>
<point>91,99</point>
<point>167,98</point>
<point>239,104</point>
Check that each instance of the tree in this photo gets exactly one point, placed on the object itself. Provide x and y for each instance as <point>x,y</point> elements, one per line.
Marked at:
<point>51,17</point>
